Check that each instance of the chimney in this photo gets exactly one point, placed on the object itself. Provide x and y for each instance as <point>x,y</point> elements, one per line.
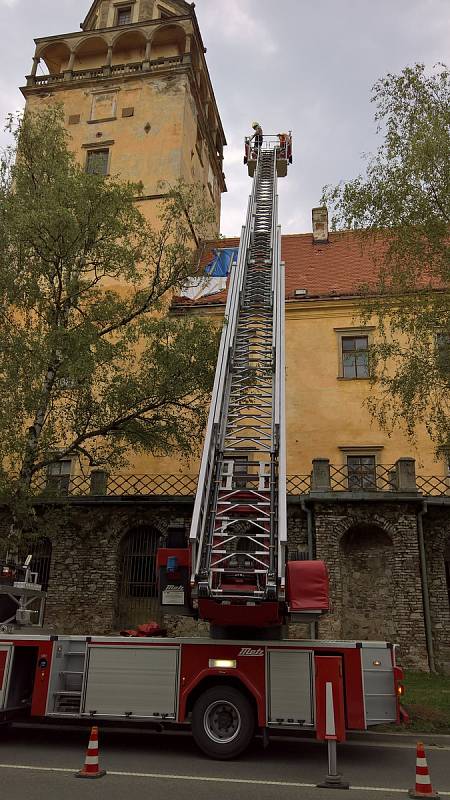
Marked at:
<point>320,225</point>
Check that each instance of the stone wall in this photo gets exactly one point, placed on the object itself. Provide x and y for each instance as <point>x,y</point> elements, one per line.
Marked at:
<point>371,551</point>
<point>436,526</point>
<point>363,601</point>
<point>83,587</point>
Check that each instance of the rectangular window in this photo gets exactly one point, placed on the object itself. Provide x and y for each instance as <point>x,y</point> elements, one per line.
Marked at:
<point>361,472</point>
<point>355,356</point>
<point>124,16</point>
<point>97,162</point>
<point>58,475</point>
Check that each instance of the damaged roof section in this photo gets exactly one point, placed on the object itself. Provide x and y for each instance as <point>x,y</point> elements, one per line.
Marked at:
<point>338,267</point>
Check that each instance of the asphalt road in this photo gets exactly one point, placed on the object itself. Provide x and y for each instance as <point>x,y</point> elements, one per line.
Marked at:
<point>40,764</point>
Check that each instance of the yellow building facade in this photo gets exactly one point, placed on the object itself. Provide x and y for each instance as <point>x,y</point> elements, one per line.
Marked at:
<point>138,103</point>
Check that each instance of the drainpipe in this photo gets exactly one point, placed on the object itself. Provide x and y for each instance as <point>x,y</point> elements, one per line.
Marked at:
<point>310,530</point>
<point>309,527</point>
<point>425,591</point>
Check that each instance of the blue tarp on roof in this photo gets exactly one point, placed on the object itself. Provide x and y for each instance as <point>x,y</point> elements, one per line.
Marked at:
<point>221,264</point>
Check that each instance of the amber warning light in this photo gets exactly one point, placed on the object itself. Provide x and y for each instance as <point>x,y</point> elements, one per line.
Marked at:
<point>221,663</point>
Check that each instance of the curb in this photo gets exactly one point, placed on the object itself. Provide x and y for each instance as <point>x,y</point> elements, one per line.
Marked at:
<point>437,739</point>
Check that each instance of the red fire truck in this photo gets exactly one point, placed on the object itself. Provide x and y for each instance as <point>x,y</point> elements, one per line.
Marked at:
<point>233,571</point>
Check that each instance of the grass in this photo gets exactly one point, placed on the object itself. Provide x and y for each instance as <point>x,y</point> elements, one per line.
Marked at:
<point>427,701</point>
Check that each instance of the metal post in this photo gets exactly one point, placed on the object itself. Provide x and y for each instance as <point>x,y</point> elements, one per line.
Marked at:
<point>334,778</point>
<point>425,589</point>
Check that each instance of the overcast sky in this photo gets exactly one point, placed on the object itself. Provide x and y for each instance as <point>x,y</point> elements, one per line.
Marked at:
<point>305,65</point>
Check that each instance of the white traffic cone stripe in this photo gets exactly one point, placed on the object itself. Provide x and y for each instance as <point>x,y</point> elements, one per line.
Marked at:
<point>421,762</point>
<point>423,779</point>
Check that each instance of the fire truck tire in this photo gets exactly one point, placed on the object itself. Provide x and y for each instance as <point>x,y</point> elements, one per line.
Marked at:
<point>223,722</point>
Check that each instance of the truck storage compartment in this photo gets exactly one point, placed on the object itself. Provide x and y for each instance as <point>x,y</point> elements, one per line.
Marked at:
<point>126,681</point>
<point>17,673</point>
<point>379,686</point>
<point>290,688</point>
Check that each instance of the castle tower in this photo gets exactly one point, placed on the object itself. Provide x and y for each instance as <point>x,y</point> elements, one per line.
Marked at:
<point>137,97</point>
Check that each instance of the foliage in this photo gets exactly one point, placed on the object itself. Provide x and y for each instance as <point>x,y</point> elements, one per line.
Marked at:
<point>92,365</point>
<point>401,208</point>
<point>427,701</point>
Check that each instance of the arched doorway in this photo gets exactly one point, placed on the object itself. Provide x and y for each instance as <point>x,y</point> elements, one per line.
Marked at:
<point>367,574</point>
<point>137,590</point>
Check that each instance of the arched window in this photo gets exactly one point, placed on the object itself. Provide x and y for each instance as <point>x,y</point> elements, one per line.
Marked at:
<point>138,589</point>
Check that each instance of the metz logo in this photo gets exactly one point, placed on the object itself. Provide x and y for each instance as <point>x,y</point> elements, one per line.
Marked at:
<point>248,651</point>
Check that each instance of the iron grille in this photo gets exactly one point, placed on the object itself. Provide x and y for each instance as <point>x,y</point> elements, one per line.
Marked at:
<point>138,590</point>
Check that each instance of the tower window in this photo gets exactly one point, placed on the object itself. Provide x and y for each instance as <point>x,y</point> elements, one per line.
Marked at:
<point>97,162</point>
<point>124,16</point>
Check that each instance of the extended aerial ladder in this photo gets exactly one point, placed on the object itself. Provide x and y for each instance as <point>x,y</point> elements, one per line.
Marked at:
<point>238,534</point>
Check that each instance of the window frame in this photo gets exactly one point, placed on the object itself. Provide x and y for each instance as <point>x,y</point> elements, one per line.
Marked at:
<point>59,480</point>
<point>160,10</point>
<point>121,10</point>
<point>353,333</point>
<point>108,160</point>
<point>361,487</point>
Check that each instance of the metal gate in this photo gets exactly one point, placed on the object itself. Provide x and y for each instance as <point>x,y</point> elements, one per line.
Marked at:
<point>41,550</point>
<point>138,591</point>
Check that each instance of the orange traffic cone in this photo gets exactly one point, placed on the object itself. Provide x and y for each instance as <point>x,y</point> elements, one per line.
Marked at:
<point>423,780</point>
<point>91,768</point>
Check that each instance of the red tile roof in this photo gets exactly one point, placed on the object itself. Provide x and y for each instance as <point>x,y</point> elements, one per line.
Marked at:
<point>337,268</point>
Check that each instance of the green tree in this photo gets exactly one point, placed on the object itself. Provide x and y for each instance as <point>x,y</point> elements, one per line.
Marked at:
<point>92,364</point>
<point>401,208</point>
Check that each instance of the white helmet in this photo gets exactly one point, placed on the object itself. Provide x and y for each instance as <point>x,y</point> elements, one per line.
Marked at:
<point>255,125</point>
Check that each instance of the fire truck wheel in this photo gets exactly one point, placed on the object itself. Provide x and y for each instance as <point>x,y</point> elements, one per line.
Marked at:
<point>223,722</point>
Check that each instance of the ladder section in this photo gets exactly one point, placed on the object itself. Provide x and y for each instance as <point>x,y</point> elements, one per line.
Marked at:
<point>236,536</point>
<point>66,684</point>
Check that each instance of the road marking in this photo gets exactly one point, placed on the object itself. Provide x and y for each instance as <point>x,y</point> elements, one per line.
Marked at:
<point>206,779</point>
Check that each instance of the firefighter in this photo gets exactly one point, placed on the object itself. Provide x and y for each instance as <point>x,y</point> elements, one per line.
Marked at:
<point>285,140</point>
<point>257,136</point>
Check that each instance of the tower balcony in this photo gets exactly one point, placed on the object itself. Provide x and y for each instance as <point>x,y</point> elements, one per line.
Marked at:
<point>108,71</point>
<point>127,50</point>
